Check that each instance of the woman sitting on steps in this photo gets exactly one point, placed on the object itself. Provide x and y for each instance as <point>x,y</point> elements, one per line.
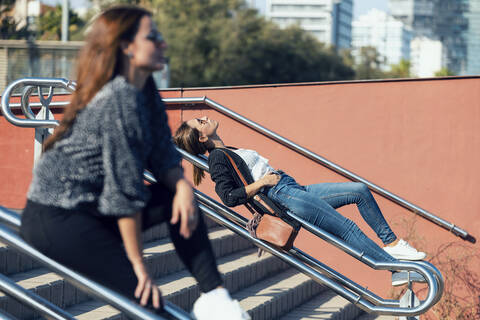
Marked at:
<point>313,203</point>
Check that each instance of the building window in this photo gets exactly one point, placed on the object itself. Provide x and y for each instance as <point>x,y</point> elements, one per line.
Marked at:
<point>293,7</point>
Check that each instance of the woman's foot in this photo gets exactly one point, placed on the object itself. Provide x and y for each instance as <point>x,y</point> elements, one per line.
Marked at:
<point>218,305</point>
<point>402,277</point>
<point>403,251</point>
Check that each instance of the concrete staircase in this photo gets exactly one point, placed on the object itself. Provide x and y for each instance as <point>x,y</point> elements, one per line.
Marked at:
<point>266,287</point>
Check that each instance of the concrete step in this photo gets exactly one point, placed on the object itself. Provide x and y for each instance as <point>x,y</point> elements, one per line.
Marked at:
<point>161,231</point>
<point>160,257</point>
<point>275,296</point>
<point>239,270</point>
<point>11,261</point>
<point>326,305</point>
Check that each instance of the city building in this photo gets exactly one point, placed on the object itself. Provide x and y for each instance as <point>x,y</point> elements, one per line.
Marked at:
<point>329,21</point>
<point>426,56</point>
<point>473,38</point>
<point>416,14</point>
<point>388,35</point>
<point>445,20</point>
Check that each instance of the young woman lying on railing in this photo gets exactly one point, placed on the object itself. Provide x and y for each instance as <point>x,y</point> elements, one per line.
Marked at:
<point>313,203</point>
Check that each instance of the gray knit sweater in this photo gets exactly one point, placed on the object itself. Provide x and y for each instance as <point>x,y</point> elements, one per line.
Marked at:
<point>102,157</point>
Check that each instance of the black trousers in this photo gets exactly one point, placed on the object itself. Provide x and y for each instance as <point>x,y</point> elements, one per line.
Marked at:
<point>91,244</point>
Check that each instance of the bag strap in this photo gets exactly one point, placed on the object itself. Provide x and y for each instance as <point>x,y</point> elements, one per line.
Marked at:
<point>242,178</point>
<point>252,224</point>
<point>261,200</point>
<point>234,165</point>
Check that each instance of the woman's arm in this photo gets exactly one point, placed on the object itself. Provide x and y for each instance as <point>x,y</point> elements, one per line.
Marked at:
<point>130,230</point>
<point>270,179</point>
<point>226,186</point>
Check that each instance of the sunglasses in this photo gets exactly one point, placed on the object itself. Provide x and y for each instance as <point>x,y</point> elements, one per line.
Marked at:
<point>155,37</point>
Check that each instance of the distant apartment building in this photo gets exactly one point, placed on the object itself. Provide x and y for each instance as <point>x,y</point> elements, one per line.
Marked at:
<point>330,21</point>
<point>473,38</point>
<point>416,14</point>
<point>445,20</point>
<point>426,57</point>
<point>388,35</point>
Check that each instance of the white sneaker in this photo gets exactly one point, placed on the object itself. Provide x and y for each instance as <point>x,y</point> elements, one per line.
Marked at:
<point>218,305</point>
<point>403,251</point>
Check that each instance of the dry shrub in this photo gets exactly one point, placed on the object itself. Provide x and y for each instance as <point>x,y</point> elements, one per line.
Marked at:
<point>459,264</point>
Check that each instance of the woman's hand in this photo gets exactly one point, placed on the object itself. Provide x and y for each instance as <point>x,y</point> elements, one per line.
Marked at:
<point>130,229</point>
<point>271,179</point>
<point>146,287</point>
<point>184,207</point>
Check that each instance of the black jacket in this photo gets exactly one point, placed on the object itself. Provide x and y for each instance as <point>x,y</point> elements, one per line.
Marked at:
<point>228,185</point>
<point>231,189</point>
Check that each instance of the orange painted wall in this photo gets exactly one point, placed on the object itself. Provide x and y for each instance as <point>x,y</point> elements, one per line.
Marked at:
<point>416,138</point>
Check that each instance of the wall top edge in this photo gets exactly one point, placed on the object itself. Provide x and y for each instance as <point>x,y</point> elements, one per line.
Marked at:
<point>41,43</point>
<point>321,83</point>
<point>300,84</point>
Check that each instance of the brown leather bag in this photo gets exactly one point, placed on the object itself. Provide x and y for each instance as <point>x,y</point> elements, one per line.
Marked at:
<point>267,225</point>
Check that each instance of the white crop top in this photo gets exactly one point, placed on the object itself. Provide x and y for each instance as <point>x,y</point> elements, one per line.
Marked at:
<point>257,164</point>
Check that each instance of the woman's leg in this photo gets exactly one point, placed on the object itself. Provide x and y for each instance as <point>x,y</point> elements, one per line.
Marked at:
<point>81,241</point>
<point>340,194</point>
<point>313,209</point>
<point>195,252</point>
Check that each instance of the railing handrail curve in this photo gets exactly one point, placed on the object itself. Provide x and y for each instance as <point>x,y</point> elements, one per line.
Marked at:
<point>31,123</point>
<point>354,293</point>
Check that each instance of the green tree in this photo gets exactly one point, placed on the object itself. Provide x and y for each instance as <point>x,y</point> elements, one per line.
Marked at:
<point>444,72</point>
<point>347,57</point>
<point>50,25</point>
<point>400,70</point>
<point>368,66</point>
<point>222,42</point>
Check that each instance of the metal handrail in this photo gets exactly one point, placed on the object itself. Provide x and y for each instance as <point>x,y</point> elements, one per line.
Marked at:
<point>312,262</point>
<point>319,272</point>
<point>32,82</point>
<point>353,292</point>
<point>70,85</point>
<point>328,164</point>
<point>102,293</point>
<point>358,299</point>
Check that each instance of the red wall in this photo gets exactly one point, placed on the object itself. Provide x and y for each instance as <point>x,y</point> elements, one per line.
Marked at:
<point>416,138</point>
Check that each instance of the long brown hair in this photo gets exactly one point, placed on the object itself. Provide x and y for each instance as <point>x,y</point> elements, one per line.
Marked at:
<point>187,138</point>
<point>99,60</point>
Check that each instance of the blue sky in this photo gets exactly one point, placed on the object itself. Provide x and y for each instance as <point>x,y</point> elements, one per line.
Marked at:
<point>360,6</point>
<point>363,6</point>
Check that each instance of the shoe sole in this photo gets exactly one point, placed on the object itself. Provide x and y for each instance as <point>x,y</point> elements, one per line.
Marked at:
<point>409,258</point>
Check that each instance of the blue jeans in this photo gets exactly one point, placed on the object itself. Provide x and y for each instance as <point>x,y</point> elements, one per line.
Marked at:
<point>317,203</point>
